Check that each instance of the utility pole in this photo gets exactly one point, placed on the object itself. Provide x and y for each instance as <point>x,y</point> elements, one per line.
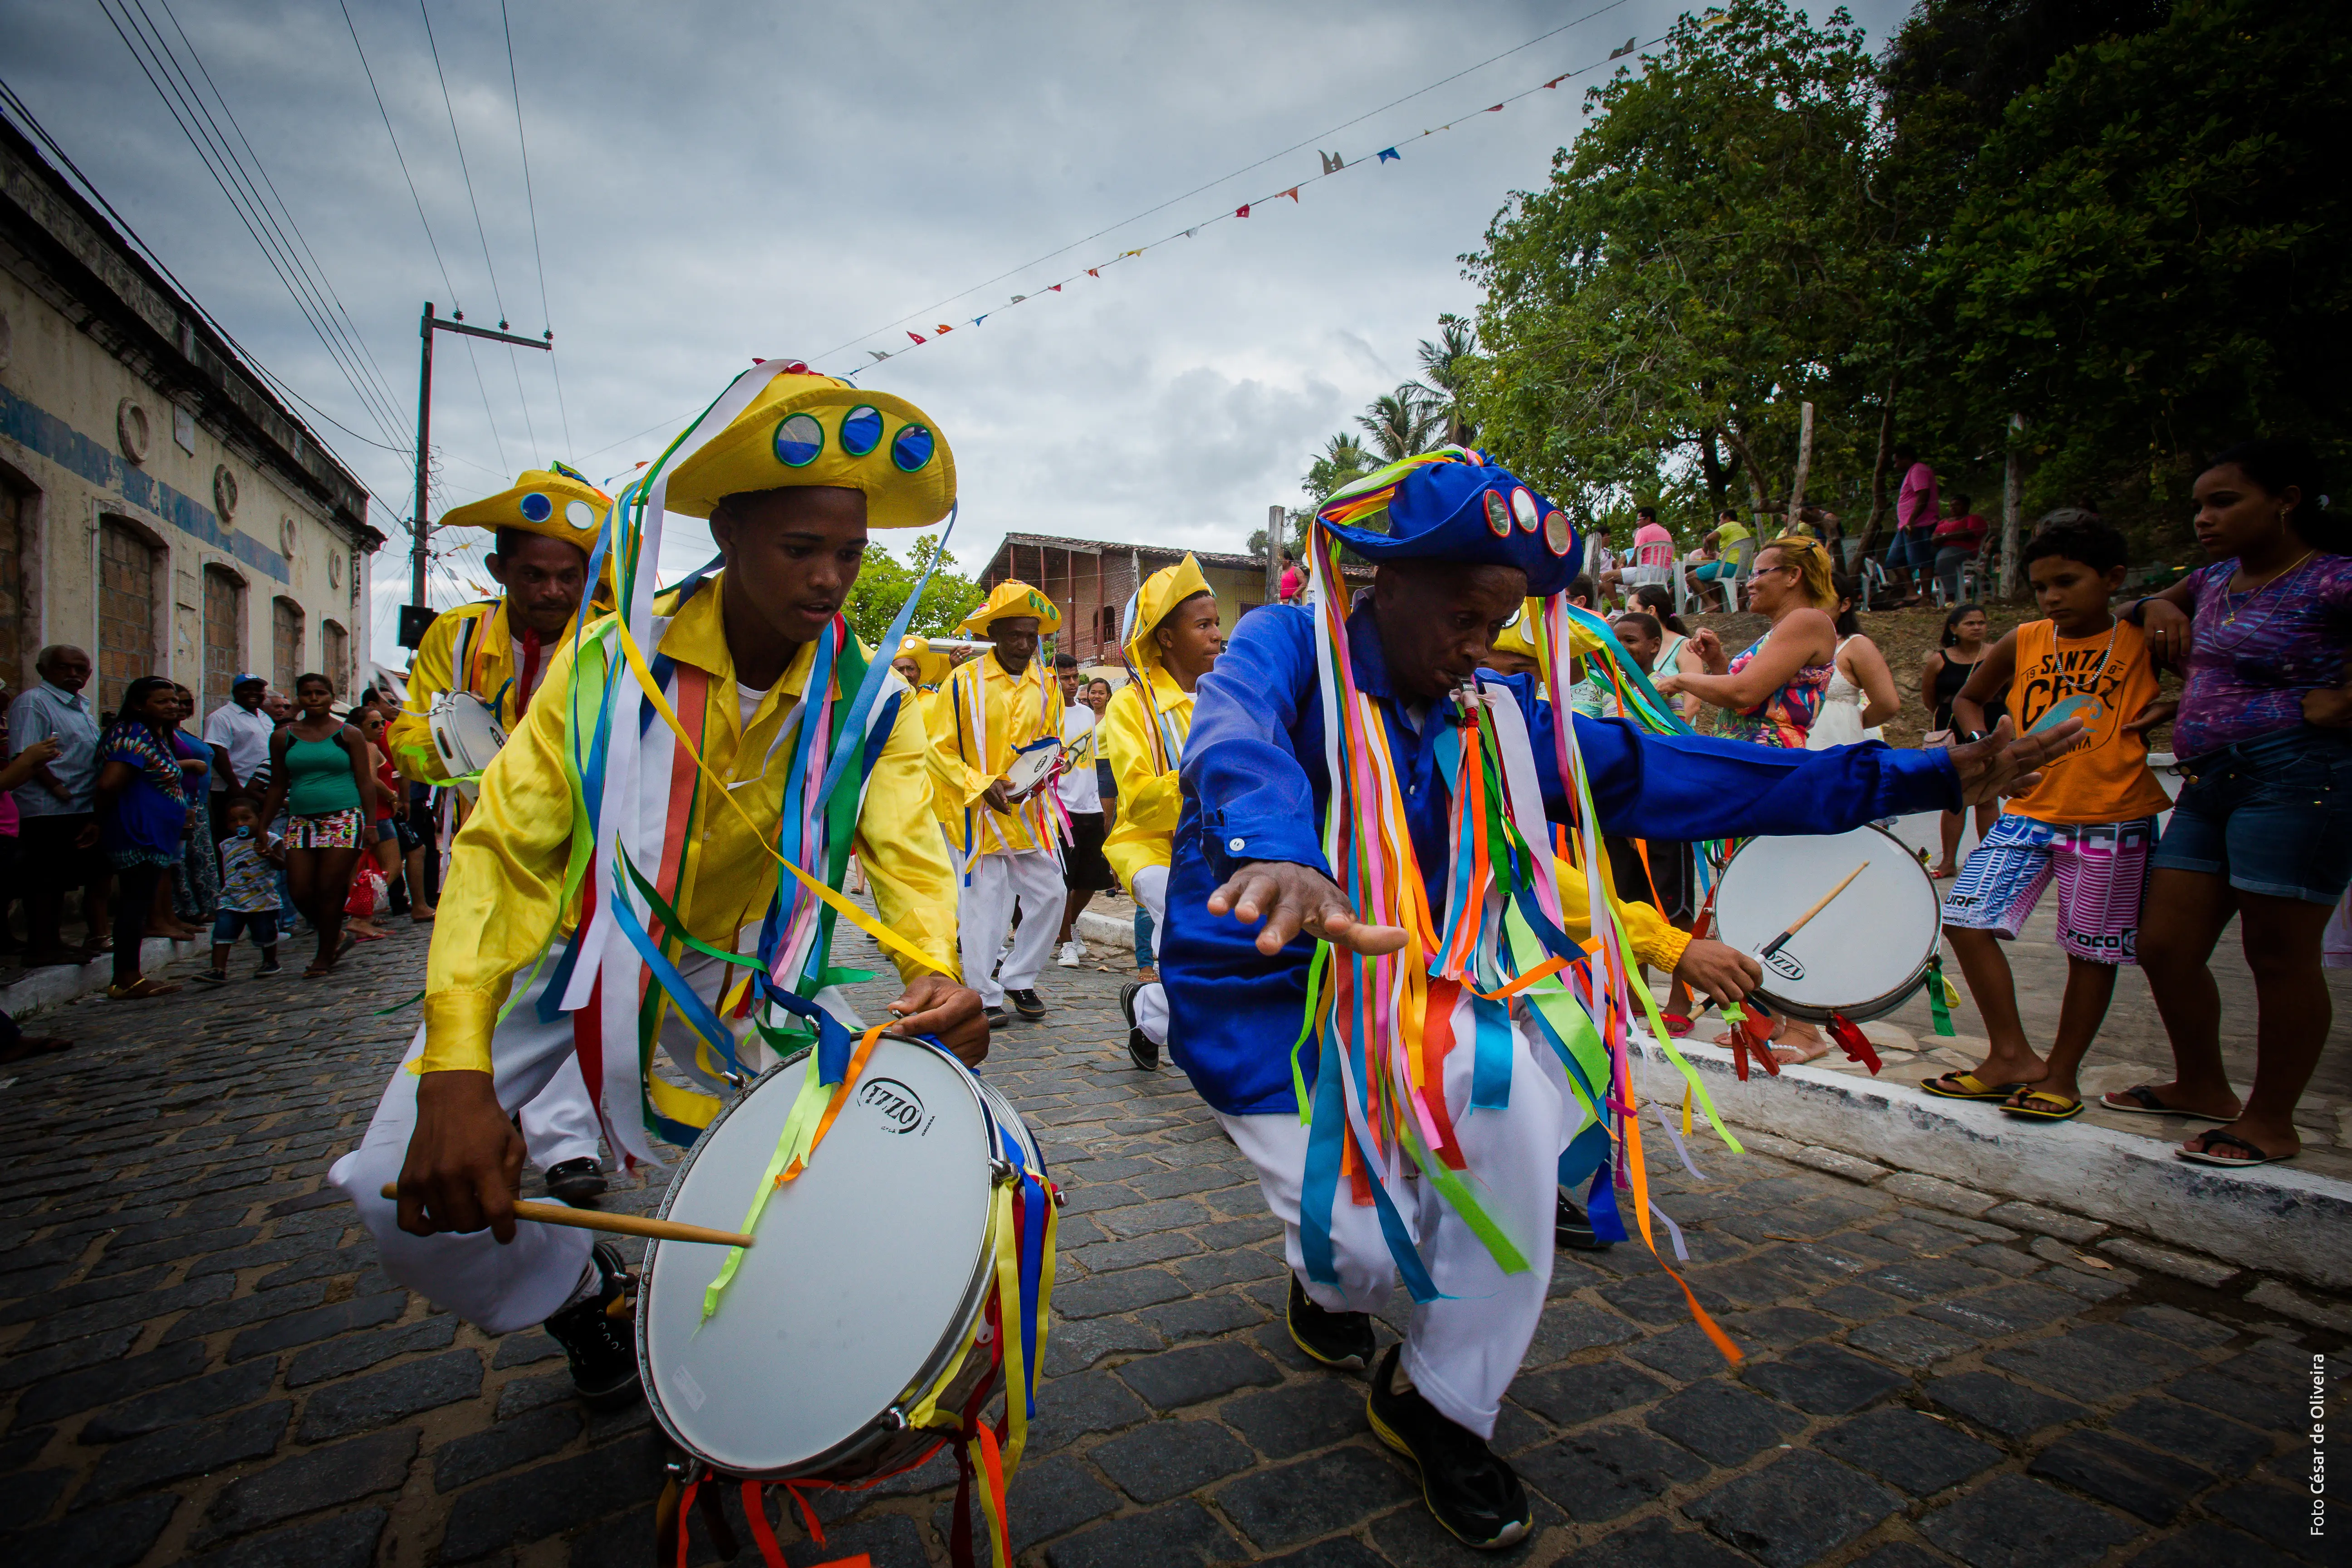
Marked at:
<point>416,615</point>
<point>1275,536</point>
<point>2013,507</point>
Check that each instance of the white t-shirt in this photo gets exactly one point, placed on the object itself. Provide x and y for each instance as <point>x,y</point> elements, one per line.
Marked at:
<point>244,736</point>
<point>747,701</point>
<point>1081,790</point>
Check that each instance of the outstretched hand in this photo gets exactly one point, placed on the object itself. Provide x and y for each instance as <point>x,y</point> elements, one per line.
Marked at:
<point>1289,898</point>
<point>2003,763</point>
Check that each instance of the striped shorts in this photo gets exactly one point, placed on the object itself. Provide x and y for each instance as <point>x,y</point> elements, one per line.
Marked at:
<point>2101,868</point>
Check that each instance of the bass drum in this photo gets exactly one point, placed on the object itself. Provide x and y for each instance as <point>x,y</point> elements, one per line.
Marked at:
<point>1864,956</point>
<point>872,1269</point>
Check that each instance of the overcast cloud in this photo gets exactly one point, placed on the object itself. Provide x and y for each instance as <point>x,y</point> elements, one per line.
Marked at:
<point>715,182</point>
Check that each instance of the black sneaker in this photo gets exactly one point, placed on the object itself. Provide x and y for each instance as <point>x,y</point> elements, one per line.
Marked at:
<point>1475,1496</point>
<point>603,1354</point>
<point>577,1181</point>
<point>1027,1003</point>
<point>210,977</point>
<point>269,966</point>
<point>1141,1049</point>
<point>998,1018</point>
<point>1335,1339</point>
<point>1571,1230</point>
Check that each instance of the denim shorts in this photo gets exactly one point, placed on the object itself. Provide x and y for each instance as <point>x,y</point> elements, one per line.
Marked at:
<point>1912,547</point>
<point>2274,816</point>
<point>261,924</point>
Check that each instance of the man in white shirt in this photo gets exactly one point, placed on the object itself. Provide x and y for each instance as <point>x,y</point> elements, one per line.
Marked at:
<point>58,825</point>
<point>239,732</point>
<point>1085,872</point>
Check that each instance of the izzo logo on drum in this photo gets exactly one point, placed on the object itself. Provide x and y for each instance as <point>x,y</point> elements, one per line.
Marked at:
<point>901,1108</point>
<point>1784,964</point>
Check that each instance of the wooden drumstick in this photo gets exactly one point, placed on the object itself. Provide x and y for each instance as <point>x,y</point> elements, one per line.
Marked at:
<point>1799,923</point>
<point>615,1223</point>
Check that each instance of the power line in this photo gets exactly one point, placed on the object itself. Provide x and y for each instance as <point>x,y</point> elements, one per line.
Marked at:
<point>279,263</point>
<point>348,328</point>
<point>455,303</point>
<point>1135,217</point>
<point>497,297</point>
<point>539,258</point>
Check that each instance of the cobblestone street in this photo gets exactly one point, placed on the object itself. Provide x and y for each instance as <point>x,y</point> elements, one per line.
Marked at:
<point>201,1361</point>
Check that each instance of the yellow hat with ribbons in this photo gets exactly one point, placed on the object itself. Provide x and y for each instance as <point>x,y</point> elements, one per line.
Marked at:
<point>931,666</point>
<point>809,429</point>
<point>553,501</point>
<point>1161,592</point>
<point>1014,597</point>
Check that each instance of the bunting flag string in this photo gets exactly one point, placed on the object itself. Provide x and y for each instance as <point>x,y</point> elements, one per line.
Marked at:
<point>1333,165</point>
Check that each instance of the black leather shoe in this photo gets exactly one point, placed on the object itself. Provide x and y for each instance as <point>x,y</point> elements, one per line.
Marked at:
<point>998,1018</point>
<point>603,1354</point>
<point>1027,1003</point>
<point>1335,1339</point>
<point>1141,1049</point>
<point>1475,1496</point>
<point>1571,1230</point>
<point>577,1181</point>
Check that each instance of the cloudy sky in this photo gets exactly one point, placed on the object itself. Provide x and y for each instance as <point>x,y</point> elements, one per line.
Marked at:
<point>718,181</point>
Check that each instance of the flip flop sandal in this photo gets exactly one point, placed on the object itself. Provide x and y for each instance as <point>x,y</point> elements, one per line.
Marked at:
<point>2206,1156</point>
<point>1968,1086</point>
<point>2030,1105</point>
<point>1676,1025</point>
<point>2147,1104</point>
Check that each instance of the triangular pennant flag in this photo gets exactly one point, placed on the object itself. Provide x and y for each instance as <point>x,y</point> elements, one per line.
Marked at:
<point>1332,162</point>
<point>977,320</point>
<point>1191,232</point>
<point>1620,54</point>
<point>878,355</point>
<point>1054,289</point>
<point>1388,153</point>
<point>945,327</point>
<point>1242,211</point>
<point>1292,193</point>
<point>1094,271</point>
<point>1561,78</point>
<point>1018,297</point>
<point>1494,108</point>
<point>1125,254</point>
<point>918,337</point>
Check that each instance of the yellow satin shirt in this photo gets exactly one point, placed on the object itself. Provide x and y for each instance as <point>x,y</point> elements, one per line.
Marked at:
<point>501,904</point>
<point>1148,801</point>
<point>1018,711</point>
<point>489,674</point>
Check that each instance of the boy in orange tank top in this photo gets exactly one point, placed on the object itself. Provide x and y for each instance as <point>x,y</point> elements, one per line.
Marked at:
<point>2089,825</point>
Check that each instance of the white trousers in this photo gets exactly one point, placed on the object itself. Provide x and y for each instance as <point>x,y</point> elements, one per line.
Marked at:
<point>499,1289</point>
<point>559,1122</point>
<point>1462,1350</point>
<point>1151,1001</point>
<point>1030,878</point>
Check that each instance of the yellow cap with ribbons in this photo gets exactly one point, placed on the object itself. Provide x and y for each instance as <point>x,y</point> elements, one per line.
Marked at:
<point>809,429</point>
<point>553,501</point>
<point>1161,592</point>
<point>1014,597</point>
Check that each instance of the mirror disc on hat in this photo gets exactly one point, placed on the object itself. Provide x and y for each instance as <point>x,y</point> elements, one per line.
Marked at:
<point>912,450</point>
<point>799,440</point>
<point>537,508</point>
<point>1557,534</point>
<point>1523,507</point>
<point>1498,515</point>
<point>861,430</point>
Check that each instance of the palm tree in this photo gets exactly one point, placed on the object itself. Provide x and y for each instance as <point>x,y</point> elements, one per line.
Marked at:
<point>1443,366</point>
<point>1343,461</point>
<point>1400,423</point>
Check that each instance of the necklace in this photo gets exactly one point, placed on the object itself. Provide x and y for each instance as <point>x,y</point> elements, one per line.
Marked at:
<point>2245,601</point>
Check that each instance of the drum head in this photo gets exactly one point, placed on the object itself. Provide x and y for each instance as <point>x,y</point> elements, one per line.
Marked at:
<point>466,731</point>
<point>1029,769</point>
<point>864,1271</point>
<point>1864,955</point>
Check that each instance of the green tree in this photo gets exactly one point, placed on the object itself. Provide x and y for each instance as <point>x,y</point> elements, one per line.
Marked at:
<point>1401,422</point>
<point>884,582</point>
<point>1446,363</point>
<point>1702,260</point>
<point>2147,259</point>
<point>1343,461</point>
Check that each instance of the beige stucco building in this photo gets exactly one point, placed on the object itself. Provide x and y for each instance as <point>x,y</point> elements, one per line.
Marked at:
<point>159,506</point>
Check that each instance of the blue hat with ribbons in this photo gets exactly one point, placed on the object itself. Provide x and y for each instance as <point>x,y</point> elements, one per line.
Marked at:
<point>1456,504</point>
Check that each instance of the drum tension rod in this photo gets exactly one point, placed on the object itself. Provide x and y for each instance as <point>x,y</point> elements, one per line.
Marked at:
<point>1004,1173</point>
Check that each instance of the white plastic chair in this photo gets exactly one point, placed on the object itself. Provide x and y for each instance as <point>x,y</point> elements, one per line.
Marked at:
<point>1742,557</point>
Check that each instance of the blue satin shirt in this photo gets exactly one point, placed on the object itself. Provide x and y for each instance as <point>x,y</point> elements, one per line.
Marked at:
<point>1255,786</point>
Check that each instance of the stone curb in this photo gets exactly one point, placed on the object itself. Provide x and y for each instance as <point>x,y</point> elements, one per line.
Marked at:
<point>2275,1218</point>
<point>1101,928</point>
<point>58,983</point>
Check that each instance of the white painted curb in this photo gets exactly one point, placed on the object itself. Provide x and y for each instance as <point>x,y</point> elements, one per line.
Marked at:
<point>2276,1218</point>
<point>58,983</point>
